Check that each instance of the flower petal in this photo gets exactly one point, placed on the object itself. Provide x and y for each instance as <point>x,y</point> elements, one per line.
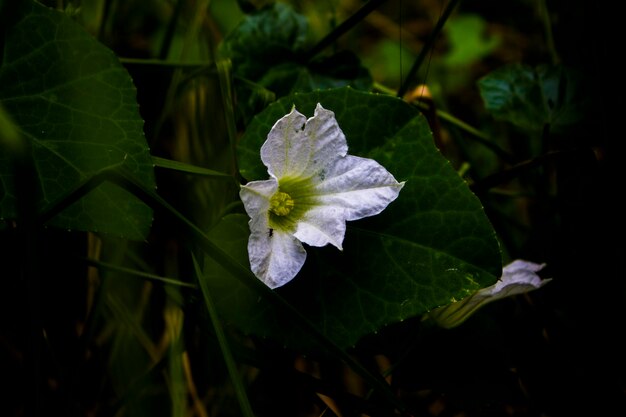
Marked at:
<point>354,188</point>
<point>256,195</point>
<point>296,147</point>
<point>360,186</point>
<point>322,225</point>
<point>276,257</point>
<point>308,162</point>
<point>518,277</point>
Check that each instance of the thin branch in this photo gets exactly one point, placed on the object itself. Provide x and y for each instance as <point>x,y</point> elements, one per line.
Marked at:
<point>169,31</point>
<point>112,267</point>
<point>428,45</point>
<point>231,366</point>
<point>345,26</point>
<point>506,175</point>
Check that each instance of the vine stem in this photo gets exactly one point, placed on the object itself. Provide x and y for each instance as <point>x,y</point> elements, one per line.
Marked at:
<point>451,120</point>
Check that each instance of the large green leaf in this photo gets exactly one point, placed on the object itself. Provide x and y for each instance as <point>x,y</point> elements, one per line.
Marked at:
<point>533,97</point>
<point>76,104</point>
<point>431,246</point>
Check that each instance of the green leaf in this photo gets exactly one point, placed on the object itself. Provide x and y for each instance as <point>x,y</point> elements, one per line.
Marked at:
<point>268,48</point>
<point>388,60</point>
<point>431,246</point>
<point>339,70</point>
<point>530,97</point>
<point>75,103</point>
<point>266,38</point>
<point>468,41</point>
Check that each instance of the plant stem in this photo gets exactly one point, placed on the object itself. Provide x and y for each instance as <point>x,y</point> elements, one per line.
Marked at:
<point>165,280</point>
<point>190,169</point>
<point>169,32</point>
<point>508,174</point>
<point>240,391</point>
<point>547,27</point>
<point>224,74</point>
<point>106,12</point>
<point>426,48</point>
<point>345,26</point>
<point>163,63</point>
<point>476,134</point>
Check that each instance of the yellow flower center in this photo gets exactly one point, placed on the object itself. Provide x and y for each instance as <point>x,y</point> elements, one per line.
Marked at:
<point>281,204</point>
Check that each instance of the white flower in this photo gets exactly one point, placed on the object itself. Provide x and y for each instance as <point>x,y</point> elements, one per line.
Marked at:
<point>518,277</point>
<point>314,187</point>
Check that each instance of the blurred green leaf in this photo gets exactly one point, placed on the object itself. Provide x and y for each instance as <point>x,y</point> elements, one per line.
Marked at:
<point>431,246</point>
<point>266,38</point>
<point>530,97</point>
<point>338,70</point>
<point>388,60</point>
<point>468,40</point>
<point>10,139</point>
<point>72,99</point>
<point>268,48</point>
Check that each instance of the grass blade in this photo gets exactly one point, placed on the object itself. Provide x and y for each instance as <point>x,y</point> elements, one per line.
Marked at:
<point>188,168</point>
<point>242,397</point>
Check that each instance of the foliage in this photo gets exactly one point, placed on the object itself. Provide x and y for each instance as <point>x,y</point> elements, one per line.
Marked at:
<point>432,245</point>
<point>121,298</point>
<point>532,98</point>
<point>80,117</point>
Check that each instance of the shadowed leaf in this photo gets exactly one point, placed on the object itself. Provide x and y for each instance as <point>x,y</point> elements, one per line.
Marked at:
<point>75,103</point>
<point>533,97</point>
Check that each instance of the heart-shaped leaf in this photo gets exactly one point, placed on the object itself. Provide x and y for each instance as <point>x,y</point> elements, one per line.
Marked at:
<point>533,97</point>
<point>431,246</point>
<point>76,105</point>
